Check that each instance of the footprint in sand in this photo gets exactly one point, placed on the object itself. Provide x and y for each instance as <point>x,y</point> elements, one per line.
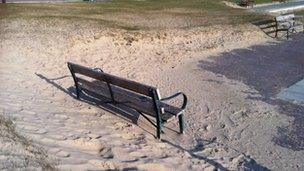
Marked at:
<point>29,128</point>
<point>121,125</point>
<point>58,137</point>
<point>94,136</point>
<point>103,165</point>
<point>62,117</point>
<point>73,136</point>
<point>93,144</point>
<point>152,166</point>
<point>28,112</point>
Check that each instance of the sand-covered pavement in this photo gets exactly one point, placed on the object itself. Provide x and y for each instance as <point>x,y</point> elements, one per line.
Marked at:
<point>230,74</point>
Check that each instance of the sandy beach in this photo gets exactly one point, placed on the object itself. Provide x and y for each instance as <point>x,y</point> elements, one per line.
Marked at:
<point>230,74</point>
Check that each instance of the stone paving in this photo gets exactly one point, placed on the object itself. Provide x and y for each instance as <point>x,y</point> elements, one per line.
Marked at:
<point>294,93</point>
<point>280,7</point>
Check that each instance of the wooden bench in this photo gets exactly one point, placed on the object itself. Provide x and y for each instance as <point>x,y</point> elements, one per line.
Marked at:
<point>140,97</point>
<point>246,3</point>
<point>288,23</point>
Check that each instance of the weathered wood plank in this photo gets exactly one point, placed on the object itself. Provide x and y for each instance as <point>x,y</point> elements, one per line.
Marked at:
<point>268,26</point>
<point>264,22</point>
<point>270,32</point>
<point>112,79</point>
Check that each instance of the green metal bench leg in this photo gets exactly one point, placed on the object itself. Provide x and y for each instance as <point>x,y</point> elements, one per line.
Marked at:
<point>159,130</point>
<point>78,91</point>
<point>181,123</point>
<point>155,97</point>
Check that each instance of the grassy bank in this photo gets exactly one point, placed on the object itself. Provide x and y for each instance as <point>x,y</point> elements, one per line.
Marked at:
<point>132,15</point>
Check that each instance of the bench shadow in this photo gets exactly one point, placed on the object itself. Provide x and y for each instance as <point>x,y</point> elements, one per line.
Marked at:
<point>248,163</point>
<point>126,114</point>
<point>268,69</point>
<point>266,26</point>
<point>118,109</point>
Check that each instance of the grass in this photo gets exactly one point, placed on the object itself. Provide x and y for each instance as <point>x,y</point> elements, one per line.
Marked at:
<point>134,14</point>
<point>19,152</point>
<point>263,1</point>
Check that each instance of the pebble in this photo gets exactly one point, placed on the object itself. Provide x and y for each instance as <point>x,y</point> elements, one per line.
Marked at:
<point>63,154</point>
<point>41,131</point>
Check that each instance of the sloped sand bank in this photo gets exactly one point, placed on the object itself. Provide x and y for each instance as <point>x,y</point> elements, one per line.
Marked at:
<point>231,122</point>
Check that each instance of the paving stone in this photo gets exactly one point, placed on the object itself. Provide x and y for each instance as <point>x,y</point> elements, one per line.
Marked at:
<point>296,88</point>
<point>289,95</point>
<point>293,93</point>
<point>300,83</point>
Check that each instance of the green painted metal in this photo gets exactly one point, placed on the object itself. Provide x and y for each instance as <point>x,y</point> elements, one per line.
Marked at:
<point>78,90</point>
<point>155,98</point>
<point>181,123</point>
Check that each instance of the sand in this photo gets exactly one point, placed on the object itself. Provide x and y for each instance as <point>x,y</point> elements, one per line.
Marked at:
<point>232,124</point>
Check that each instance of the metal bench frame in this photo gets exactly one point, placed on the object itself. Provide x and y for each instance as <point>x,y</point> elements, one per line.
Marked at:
<point>155,96</point>
<point>288,20</point>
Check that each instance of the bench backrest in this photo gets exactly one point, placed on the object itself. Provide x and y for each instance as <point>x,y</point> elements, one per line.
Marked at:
<point>283,18</point>
<point>112,79</point>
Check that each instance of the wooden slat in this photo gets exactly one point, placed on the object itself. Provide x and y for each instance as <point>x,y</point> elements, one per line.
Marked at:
<point>139,102</point>
<point>112,79</point>
<point>263,22</point>
<point>270,32</point>
<point>269,26</point>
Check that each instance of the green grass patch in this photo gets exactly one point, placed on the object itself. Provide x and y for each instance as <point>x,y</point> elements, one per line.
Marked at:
<point>135,14</point>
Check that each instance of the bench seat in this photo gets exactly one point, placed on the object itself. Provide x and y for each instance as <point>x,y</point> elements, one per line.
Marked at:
<point>136,101</point>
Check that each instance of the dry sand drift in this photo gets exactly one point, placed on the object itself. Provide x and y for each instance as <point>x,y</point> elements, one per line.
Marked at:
<point>230,74</point>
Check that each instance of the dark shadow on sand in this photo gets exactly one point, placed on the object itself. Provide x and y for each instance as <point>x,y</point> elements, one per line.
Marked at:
<point>268,69</point>
<point>101,102</point>
<point>268,26</point>
<point>248,163</point>
<point>118,109</point>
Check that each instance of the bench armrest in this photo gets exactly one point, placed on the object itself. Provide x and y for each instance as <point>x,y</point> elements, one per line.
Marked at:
<point>183,107</point>
<point>97,69</point>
